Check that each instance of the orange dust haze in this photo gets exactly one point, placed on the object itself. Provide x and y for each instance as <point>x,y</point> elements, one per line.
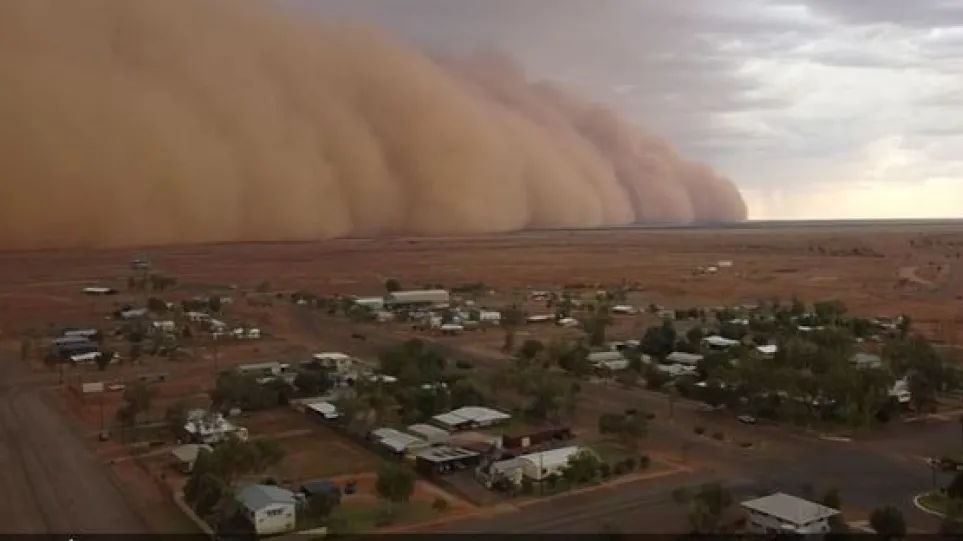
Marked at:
<point>156,121</point>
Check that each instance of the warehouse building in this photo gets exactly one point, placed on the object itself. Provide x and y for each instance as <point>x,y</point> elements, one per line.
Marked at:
<point>470,417</point>
<point>418,299</point>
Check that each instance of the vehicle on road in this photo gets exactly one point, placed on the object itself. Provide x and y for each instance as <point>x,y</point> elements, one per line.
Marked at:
<point>747,419</point>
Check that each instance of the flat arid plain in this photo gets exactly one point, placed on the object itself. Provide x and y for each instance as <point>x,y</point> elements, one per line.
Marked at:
<point>877,269</point>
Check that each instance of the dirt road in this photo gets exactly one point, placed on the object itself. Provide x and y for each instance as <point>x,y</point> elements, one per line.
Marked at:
<point>51,482</point>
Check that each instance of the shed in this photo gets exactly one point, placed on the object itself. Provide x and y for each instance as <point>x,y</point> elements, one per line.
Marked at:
<point>88,334</point>
<point>538,466</point>
<point>270,509</point>
<point>444,460</point>
<point>99,291</point>
<point>325,410</point>
<point>396,441</point>
<point>783,513</point>
<point>374,303</point>
<point>431,434</point>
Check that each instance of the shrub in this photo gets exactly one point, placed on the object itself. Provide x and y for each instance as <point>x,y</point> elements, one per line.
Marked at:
<point>527,486</point>
<point>440,505</point>
<point>618,468</point>
<point>605,470</point>
<point>718,435</point>
<point>630,463</point>
<point>700,430</point>
<point>745,444</point>
<point>644,462</point>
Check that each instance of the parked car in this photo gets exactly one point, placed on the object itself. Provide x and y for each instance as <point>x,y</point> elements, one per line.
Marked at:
<point>747,419</point>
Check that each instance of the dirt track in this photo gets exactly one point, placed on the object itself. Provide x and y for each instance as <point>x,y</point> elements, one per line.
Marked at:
<point>51,482</point>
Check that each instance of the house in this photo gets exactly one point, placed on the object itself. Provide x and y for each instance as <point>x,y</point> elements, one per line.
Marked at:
<point>271,368</point>
<point>767,351</point>
<point>164,325</point>
<point>411,299</point>
<point>866,360</point>
<point>719,343</point>
<point>609,360</point>
<point>431,434</point>
<point>324,410</point>
<point>186,455</point>
<point>900,391</point>
<point>99,291</point>
<point>338,362</point>
<point>568,322</point>
<point>680,357</point>
<point>197,317</point>
<point>540,318</point>
<point>470,417</point>
<point>86,334</point>
<point>132,313</point>
<point>396,441</point>
<point>451,328</point>
<point>374,304</point>
<point>538,466</point>
<point>66,350</point>
<point>784,514</point>
<point>515,439</point>
<point>444,460</point>
<point>210,427</point>
<point>490,316</point>
<point>625,309</point>
<point>508,470</point>
<point>91,357</point>
<point>270,509</point>
<point>677,370</point>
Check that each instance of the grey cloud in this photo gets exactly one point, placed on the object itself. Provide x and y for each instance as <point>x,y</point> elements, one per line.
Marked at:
<point>916,13</point>
<point>665,52</point>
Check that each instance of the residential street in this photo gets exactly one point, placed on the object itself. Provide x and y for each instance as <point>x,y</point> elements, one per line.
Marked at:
<point>52,482</point>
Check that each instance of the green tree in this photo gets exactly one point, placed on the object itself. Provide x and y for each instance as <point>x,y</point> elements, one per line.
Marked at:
<point>833,500</point>
<point>582,467</point>
<point>312,382</point>
<point>706,506</point>
<point>530,349</point>
<point>395,483</point>
<point>888,522</point>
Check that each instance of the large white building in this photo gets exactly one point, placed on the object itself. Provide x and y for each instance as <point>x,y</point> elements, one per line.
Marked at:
<point>538,466</point>
<point>784,514</point>
<point>270,509</point>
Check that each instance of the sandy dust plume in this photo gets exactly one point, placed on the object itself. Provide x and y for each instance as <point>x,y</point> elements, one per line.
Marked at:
<point>132,122</point>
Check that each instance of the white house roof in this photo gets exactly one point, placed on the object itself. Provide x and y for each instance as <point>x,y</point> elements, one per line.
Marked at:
<point>427,432</point>
<point>790,509</point>
<point>397,441</point>
<point>681,357</point>
<point>768,349</point>
<point>257,497</point>
<point>206,423</point>
<point>418,296</point>
<point>601,357</point>
<point>719,341</point>
<point>552,458</point>
<point>475,414</point>
<point>326,409</point>
<point>189,452</point>
<point>331,356</point>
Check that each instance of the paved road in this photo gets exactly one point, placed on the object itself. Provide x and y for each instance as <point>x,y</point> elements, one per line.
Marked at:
<point>886,470</point>
<point>50,481</point>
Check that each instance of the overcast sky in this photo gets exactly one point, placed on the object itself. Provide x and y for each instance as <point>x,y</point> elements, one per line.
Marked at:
<point>816,108</point>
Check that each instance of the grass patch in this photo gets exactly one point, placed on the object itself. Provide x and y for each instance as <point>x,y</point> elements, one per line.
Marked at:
<point>933,501</point>
<point>364,517</point>
<point>613,451</point>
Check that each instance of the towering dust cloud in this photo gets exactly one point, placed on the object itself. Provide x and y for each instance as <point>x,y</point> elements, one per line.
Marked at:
<point>151,121</point>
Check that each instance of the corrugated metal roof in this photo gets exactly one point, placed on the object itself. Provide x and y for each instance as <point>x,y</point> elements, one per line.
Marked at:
<point>786,508</point>
<point>551,458</point>
<point>257,497</point>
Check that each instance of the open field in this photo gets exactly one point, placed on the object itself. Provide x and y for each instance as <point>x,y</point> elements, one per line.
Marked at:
<point>870,267</point>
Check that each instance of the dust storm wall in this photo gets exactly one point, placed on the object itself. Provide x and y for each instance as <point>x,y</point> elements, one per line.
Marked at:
<point>149,122</point>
